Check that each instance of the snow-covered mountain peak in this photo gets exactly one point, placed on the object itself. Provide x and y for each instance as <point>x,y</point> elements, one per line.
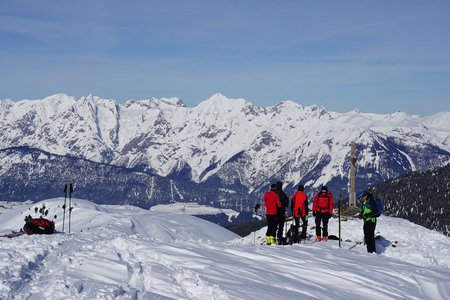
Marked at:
<point>219,103</point>
<point>6,100</point>
<point>317,112</point>
<point>437,120</point>
<point>44,109</point>
<point>59,97</point>
<point>289,103</point>
<point>295,111</point>
<point>6,103</point>
<point>398,115</point>
<point>96,100</point>
<point>174,101</point>
<point>155,103</point>
<point>317,108</point>
<point>218,97</point>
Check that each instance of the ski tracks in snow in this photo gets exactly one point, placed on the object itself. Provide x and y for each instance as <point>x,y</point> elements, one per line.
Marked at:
<point>150,271</point>
<point>35,271</point>
<point>99,266</point>
<point>122,253</point>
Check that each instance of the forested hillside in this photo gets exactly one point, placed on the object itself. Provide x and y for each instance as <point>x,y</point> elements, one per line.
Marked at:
<point>422,197</point>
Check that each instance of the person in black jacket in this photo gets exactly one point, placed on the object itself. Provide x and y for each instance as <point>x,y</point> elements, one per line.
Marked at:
<point>284,199</point>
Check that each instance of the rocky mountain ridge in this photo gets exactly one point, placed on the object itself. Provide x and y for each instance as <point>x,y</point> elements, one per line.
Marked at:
<point>229,143</point>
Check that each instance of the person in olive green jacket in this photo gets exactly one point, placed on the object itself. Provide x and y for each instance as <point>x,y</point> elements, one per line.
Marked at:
<point>369,214</point>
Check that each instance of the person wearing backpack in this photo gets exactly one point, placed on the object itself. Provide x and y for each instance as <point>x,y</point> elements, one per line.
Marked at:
<point>284,200</point>
<point>322,211</point>
<point>272,204</point>
<point>369,213</point>
<point>299,209</point>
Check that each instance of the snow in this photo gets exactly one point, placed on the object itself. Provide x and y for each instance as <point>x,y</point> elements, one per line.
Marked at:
<point>124,252</point>
<point>193,208</point>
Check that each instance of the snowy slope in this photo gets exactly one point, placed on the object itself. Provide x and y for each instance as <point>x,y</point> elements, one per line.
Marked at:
<point>229,140</point>
<point>194,209</point>
<point>123,252</point>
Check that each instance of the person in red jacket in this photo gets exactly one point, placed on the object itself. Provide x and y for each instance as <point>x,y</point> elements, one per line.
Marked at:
<point>323,210</point>
<point>299,209</point>
<point>272,204</point>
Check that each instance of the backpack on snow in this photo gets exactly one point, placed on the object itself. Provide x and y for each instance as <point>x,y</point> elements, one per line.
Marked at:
<point>38,226</point>
<point>292,236</point>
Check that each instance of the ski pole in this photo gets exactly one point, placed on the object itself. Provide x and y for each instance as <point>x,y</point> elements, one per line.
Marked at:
<point>306,233</point>
<point>257,206</point>
<point>285,226</point>
<point>64,206</point>
<point>70,203</point>
<point>293,225</point>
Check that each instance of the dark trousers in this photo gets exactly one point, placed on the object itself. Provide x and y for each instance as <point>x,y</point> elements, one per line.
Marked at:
<point>281,220</point>
<point>271,225</point>
<point>322,218</point>
<point>369,235</point>
<point>304,226</point>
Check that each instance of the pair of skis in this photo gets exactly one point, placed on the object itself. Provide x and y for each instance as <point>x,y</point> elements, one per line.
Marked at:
<point>13,234</point>
<point>68,189</point>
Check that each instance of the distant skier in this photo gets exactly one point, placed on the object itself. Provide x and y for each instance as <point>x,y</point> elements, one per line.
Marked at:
<point>299,209</point>
<point>284,200</point>
<point>369,212</point>
<point>272,204</point>
<point>322,210</point>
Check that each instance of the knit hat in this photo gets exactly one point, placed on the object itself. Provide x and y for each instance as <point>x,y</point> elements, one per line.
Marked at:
<point>368,194</point>
<point>273,186</point>
<point>300,187</point>
<point>324,188</point>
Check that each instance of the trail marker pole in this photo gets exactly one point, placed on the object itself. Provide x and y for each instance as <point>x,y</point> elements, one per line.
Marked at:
<point>64,206</point>
<point>70,203</point>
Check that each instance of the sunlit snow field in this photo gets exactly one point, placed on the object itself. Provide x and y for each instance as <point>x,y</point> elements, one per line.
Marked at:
<point>118,252</point>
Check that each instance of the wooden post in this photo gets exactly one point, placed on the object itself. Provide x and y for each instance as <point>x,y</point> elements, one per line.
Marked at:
<point>352,196</point>
<point>340,228</point>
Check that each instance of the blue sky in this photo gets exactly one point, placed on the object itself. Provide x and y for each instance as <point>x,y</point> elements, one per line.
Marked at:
<point>378,56</point>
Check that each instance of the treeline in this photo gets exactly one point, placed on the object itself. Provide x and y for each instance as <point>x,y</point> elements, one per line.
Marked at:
<point>32,174</point>
<point>422,197</point>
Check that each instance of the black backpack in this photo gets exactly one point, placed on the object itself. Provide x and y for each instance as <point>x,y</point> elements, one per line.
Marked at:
<point>292,236</point>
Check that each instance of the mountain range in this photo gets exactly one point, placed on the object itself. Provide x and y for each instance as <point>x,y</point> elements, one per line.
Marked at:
<point>223,151</point>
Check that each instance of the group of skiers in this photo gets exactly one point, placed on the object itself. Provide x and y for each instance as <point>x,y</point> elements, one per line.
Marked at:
<point>277,202</point>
